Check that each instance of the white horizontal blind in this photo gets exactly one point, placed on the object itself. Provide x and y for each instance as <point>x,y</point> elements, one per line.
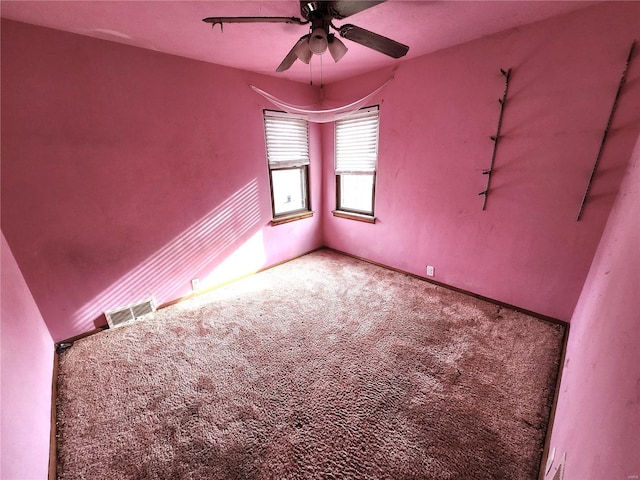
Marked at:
<point>357,142</point>
<point>287,140</point>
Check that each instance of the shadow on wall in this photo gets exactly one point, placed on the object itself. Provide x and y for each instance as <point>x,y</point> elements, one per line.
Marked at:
<point>167,271</point>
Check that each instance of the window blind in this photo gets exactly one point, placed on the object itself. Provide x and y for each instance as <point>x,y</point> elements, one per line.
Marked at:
<point>287,140</point>
<point>357,142</point>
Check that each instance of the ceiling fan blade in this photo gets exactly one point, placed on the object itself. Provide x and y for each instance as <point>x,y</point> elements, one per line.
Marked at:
<point>343,8</point>
<point>292,55</point>
<point>221,20</point>
<point>373,40</point>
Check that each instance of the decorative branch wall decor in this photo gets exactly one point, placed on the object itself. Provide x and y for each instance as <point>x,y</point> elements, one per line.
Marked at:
<point>606,130</point>
<point>488,172</point>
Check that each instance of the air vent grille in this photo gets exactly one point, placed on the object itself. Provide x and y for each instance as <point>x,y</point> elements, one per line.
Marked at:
<point>120,316</point>
<point>142,308</point>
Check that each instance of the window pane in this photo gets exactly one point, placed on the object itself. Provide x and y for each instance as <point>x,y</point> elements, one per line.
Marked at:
<point>288,190</point>
<point>356,193</point>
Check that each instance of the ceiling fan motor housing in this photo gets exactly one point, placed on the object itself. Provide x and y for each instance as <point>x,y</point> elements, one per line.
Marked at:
<point>311,9</point>
<point>317,13</point>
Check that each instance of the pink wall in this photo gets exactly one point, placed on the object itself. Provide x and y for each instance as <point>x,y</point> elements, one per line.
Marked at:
<point>26,353</point>
<point>437,116</point>
<point>127,172</point>
<point>598,415</point>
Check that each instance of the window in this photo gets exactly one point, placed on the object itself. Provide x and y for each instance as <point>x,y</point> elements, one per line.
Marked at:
<point>356,144</point>
<point>287,138</point>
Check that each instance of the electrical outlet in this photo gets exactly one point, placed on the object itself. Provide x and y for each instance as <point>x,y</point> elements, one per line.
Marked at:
<point>559,475</point>
<point>195,284</point>
<point>550,459</point>
<point>431,271</point>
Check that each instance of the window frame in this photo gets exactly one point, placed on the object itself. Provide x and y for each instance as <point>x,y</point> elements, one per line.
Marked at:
<point>292,215</point>
<point>301,165</point>
<point>353,213</point>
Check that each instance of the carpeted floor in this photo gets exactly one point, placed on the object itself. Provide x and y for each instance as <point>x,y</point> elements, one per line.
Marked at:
<point>322,368</point>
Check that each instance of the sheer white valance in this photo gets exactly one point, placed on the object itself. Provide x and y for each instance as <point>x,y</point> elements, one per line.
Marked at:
<point>320,113</point>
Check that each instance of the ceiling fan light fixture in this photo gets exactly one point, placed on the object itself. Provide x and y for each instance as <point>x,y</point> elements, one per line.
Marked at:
<point>337,49</point>
<point>303,52</point>
<point>318,41</point>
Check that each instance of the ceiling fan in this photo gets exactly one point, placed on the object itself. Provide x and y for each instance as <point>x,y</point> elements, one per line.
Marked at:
<point>320,16</point>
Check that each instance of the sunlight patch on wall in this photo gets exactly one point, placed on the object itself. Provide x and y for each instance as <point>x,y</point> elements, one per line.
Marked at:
<point>247,259</point>
<point>243,262</point>
<point>167,271</point>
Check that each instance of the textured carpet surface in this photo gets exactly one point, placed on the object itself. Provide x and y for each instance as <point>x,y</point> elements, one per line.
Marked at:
<point>322,368</point>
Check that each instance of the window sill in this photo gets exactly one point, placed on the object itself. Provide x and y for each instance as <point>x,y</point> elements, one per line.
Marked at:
<point>291,217</point>
<point>354,216</point>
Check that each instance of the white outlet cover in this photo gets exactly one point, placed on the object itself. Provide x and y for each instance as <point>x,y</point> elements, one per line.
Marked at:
<point>195,283</point>
<point>550,459</point>
<point>430,270</point>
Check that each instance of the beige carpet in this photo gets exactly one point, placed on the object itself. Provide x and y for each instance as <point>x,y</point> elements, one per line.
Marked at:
<point>323,368</point>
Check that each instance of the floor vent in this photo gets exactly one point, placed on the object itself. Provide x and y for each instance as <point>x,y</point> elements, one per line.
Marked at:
<point>122,315</point>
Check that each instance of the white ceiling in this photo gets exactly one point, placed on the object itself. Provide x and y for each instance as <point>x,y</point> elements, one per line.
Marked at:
<point>176,27</point>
